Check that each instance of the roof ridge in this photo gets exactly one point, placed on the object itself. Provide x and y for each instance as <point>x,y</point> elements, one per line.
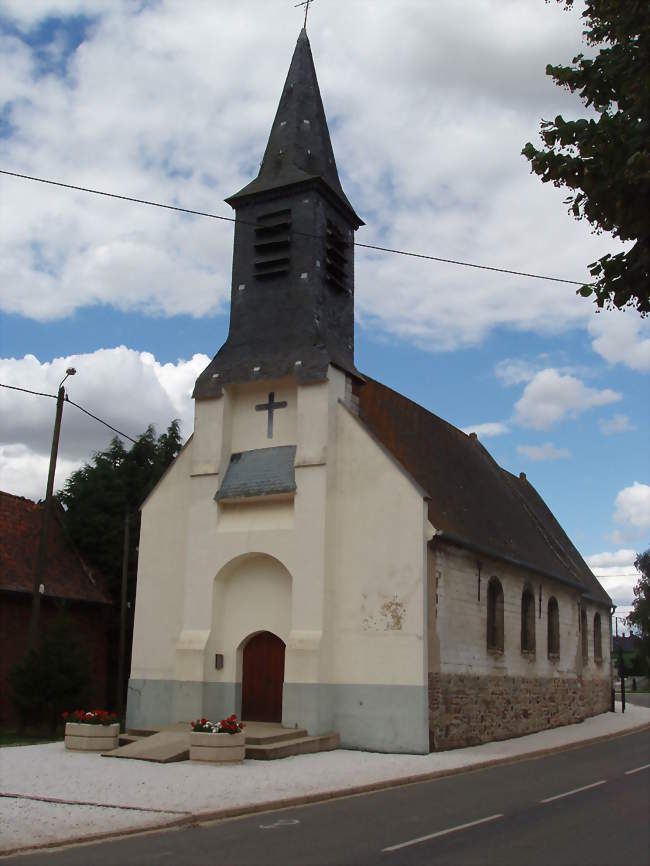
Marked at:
<point>564,560</point>
<point>18,496</point>
<point>417,405</point>
<point>576,561</point>
<point>472,497</point>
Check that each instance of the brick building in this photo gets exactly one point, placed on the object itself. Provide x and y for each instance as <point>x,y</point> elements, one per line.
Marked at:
<point>68,584</point>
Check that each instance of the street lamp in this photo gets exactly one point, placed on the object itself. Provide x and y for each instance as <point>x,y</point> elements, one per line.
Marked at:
<point>47,509</point>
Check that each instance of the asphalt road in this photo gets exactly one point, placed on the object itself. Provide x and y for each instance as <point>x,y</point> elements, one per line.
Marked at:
<point>584,806</point>
<point>641,699</point>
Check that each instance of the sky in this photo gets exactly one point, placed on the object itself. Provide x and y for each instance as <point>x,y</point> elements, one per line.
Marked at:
<point>429,105</point>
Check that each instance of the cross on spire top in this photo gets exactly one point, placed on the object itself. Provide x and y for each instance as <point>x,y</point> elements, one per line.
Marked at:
<point>306,4</point>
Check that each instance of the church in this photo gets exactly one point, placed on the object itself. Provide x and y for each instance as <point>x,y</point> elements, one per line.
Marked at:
<point>328,554</point>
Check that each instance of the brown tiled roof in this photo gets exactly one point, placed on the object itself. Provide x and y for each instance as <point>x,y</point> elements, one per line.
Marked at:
<point>65,575</point>
<point>473,501</point>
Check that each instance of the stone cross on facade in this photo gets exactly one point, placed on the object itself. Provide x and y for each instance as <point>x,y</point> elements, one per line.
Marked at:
<point>270,407</point>
<point>306,4</point>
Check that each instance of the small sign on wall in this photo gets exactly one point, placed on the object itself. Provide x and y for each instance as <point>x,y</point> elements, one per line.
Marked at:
<point>218,661</point>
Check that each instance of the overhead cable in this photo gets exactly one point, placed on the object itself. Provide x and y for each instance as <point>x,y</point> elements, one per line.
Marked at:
<point>304,234</point>
<point>72,403</point>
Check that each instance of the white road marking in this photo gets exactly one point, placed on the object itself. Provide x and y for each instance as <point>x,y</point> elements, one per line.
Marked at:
<point>441,833</point>
<point>637,769</point>
<point>283,822</point>
<point>574,791</point>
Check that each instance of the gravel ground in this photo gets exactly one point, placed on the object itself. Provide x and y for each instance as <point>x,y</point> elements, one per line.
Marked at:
<point>160,793</point>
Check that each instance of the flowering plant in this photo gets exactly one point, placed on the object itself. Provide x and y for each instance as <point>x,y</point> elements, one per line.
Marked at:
<point>90,717</point>
<point>226,726</point>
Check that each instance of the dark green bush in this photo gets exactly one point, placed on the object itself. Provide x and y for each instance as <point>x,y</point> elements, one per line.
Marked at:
<point>52,678</point>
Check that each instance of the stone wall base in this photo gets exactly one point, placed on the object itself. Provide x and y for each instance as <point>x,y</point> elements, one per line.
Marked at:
<point>466,709</point>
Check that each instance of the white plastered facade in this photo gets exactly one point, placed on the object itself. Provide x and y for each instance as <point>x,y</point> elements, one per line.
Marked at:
<point>338,572</point>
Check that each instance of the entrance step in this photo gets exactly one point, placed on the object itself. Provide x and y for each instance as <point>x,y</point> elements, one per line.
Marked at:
<point>125,739</point>
<point>295,745</point>
<point>260,733</point>
<point>264,742</point>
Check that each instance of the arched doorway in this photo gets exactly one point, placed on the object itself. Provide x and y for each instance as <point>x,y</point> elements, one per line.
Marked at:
<point>263,678</point>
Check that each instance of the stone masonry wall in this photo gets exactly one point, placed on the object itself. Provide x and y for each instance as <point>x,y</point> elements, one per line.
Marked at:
<point>466,709</point>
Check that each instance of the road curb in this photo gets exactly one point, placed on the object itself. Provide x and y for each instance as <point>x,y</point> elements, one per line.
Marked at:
<point>197,818</point>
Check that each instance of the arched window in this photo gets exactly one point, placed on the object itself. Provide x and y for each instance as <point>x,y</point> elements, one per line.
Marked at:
<point>598,644</point>
<point>528,620</point>
<point>583,629</point>
<point>495,615</point>
<point>553,627</point>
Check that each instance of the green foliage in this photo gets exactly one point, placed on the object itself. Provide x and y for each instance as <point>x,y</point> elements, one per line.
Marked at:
<point>639,618</point>
<point>605,160</point>
<point>97,497</point>
<point>51,678</point>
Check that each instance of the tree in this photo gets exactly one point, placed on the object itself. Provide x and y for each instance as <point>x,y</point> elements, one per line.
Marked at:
<point>53,677</point>
<point>96,499</point>
<point>605,160</point>
<point>639,618</point>
<point>116,482</point>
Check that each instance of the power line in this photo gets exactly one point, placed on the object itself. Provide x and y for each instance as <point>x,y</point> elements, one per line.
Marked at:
<point>303,234</point>
<point>101,421</point>
<point>72,403</point>
<point>27,391</point>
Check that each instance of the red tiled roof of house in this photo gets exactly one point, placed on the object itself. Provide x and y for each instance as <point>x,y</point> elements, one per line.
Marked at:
<point>66,575</point>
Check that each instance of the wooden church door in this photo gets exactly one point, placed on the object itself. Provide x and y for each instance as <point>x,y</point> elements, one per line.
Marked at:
<point>263,678</point>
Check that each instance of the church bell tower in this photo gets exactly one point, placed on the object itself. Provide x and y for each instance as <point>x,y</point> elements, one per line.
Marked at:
<point>292,296</point>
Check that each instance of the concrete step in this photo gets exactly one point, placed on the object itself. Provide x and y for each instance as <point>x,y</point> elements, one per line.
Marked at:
<point>125,739</point>
<point>255,738</point>
<point>303,745</point>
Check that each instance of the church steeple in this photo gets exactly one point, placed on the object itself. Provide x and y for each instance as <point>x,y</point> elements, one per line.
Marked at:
<point>299,148</point>
<point>292,299</point>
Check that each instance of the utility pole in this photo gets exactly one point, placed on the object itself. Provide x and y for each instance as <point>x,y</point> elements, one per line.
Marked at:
<point>45,524</point>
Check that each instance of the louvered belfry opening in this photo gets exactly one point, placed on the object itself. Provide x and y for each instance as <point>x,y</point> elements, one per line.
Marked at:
<point>336,260</point>
<point>272,244</point>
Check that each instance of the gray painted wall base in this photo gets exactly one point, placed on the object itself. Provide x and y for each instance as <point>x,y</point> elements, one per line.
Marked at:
<point>378,718</point>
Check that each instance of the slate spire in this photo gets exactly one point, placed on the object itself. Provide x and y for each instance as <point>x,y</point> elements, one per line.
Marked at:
<point>292,296</point>
<point>299,146</point>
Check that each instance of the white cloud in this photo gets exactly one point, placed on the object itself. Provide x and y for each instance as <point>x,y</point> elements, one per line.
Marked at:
<point>550,397</point>
<point>512,371</point>
<point>622,337</point>
<point>612,559</point>
<point>547,451</point>
<point>24,472</point>
<point>128,389</point>
<point>632,508</point>
<point>153,104</point>
<point>489,428</point>
<point>616,572</point>
<point>617,424</point>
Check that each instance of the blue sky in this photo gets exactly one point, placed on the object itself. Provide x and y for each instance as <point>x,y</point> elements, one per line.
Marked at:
<point>429,106</point>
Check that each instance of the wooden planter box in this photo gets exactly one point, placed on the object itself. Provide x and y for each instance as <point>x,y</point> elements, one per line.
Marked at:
<point>217,747</point>
<point>91,738</point>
